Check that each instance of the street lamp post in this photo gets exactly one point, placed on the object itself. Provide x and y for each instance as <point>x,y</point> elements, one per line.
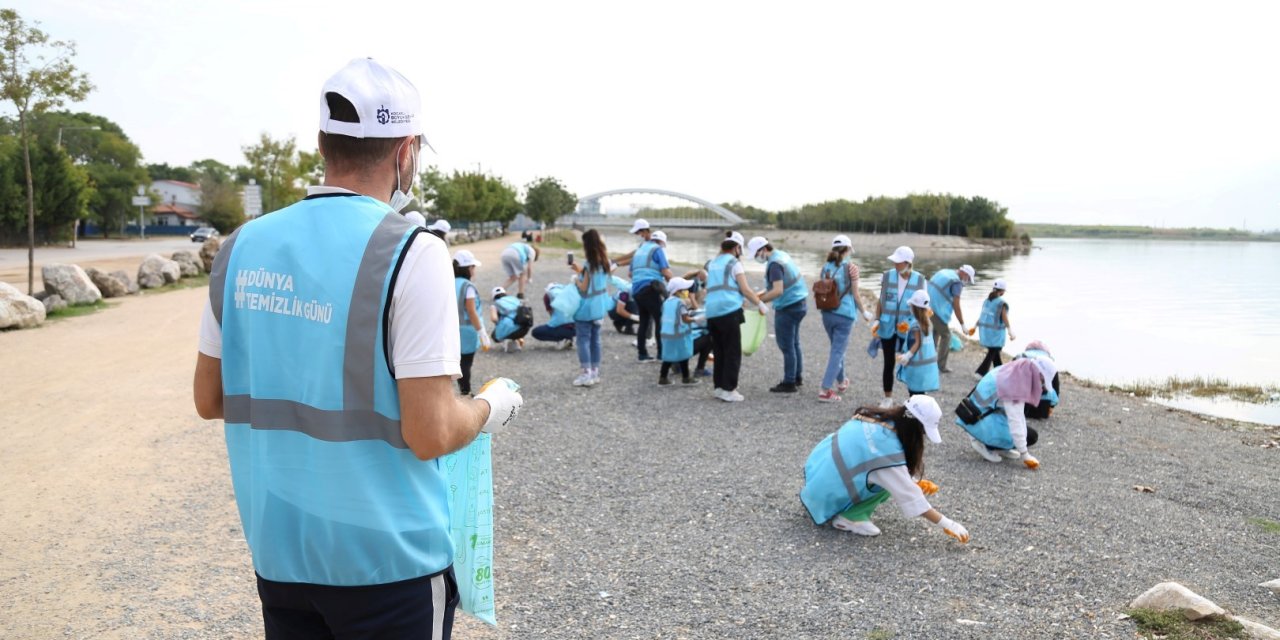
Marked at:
<point>75,225</point>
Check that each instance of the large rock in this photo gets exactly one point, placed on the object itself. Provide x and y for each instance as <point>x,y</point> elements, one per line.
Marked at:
<point>188,263</point>
<point>18,310</point>
<point>1274,586</point>
<point>130,284</point>
<point>70,282</point>
<point>208,251</point>
<point>1171,596</point>
<point>54,303</point>
<point>109,284</point>
<point>1257,631</point>
<point>157,271</point>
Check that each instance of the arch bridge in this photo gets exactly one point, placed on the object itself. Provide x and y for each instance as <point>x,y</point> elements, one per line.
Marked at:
<point>589,213</point>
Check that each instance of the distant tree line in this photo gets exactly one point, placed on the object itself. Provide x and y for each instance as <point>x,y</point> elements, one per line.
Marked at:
<point>1141,232</point>
<point>938,214</point>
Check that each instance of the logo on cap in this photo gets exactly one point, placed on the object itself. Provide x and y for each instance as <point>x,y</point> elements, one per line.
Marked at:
<point>384,115</point>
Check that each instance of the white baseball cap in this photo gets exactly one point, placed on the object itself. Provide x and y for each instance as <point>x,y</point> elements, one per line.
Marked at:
<point>927,411</point>
<point>639,225</point>
<point>416,218</point>
<point>999,284</point>
<point>736,237</point>
<point>660,236</point>
<point>841,241</point>
<point>903,254</point>
<point>919,299</point>
<point>465,258</point>
<point>440,225</point>
<point>387,104</point>
<point>498,291</point>
<point>550,286</point>
<point>678,284</point>
<point>755,244</point>
<point>1048,369</point>
<point>968,270</point>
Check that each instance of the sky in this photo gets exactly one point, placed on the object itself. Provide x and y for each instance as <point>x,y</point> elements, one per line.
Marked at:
<point>1154,113</point>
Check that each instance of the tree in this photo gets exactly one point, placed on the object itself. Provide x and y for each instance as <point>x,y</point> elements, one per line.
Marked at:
<point>545,200</point>
<point>162,171</point>
<point>35,87</point>
<point>275,165</point>
<point>220,203</point>
<point>468,197</point>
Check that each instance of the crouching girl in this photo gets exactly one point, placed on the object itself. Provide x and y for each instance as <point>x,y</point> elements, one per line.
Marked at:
<point>993,412</point>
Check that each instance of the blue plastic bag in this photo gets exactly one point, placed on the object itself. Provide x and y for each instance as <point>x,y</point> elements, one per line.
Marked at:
<point>470,473</point>
<point>956,344</point>
<point>873,347</point>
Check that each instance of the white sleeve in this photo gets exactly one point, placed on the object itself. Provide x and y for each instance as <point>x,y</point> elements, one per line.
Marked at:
<point>1017,425</point>
<point>906,493</point>
<point>738,269</point>
<point>424,313</point>
<point>470,294</point>
<point>210,332</point>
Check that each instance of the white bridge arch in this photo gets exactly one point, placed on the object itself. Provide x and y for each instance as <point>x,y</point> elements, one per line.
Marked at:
<point>588,213</point>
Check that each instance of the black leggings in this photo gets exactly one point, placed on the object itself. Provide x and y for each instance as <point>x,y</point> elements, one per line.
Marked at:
<point>702,347</point>
<point>650,303</point>
<point>889,349</point>
<point>682,367</point>
<point>992,360</point>
<point>464,383</point>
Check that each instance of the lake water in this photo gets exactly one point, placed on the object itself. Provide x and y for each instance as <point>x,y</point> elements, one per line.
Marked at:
<point>1116,310</point>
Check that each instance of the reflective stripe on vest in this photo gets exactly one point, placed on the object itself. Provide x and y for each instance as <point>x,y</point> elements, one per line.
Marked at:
<point>940,293</point>
<point>793,287</point>
<point>892,307</point>
<point>849,475</point>
<point>673,325</point>
<point>723,295</point>
<point>643,269</point>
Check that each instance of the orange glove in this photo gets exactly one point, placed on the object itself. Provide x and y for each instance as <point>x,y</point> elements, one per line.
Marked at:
<point>902,327</point>
<point>1030,461</point>
<point>929,488</point>
<point>973,331</point>
<point>954,529</point>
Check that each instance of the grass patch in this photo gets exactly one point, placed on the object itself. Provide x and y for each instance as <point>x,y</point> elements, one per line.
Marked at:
<point>1174,626</point>
<point>1269,526</point>
<point>191,282</point>
<point>77,310</point>
<point>879,634</point>
<point>561,239</point>
<point>1200,387</point>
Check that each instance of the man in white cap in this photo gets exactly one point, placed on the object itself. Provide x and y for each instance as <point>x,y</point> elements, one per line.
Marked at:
<point>649,274</point>
<point>892,309</point>
<point>785,287</point>
<point>440,229</point>
<point>945,288</point>
<point>341,499</point>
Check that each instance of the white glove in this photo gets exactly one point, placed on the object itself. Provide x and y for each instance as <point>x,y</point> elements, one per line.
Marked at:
<point>486,342</point>
<point>1012,337</point>
<point>764,309</point>
<point>904,358</point>
<point>867,315</point>
<point>963,329</point>
<point>503,396</point>
<point>954,529</point>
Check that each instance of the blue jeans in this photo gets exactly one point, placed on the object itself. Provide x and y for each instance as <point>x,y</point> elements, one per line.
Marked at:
<point>838,328</point>
<point>786,325</point>
<point>587,339</point>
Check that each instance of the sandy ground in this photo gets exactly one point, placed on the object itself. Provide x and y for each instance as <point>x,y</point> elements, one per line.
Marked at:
<point>626,510</point>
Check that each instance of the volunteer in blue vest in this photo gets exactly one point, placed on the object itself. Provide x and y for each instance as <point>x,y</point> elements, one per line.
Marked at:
<point>625,313</point>
<point>838,322</point>
<point>559,328</point>
<point>328,345</point>
<point>471,332</point>
<point>785,287</point>
<point>892,309</point>
<point>676,331</point>
<point>996,420</point>
<point>502,313</point>
<point>592,282</point>
<point>877,454</point>
<point>993,324</point>
<point>517,263</point>
<point>1037,350</point>
<point>917,357</point>
<point>649,274</point>
<point>945,288</point>
<point>727,291</point>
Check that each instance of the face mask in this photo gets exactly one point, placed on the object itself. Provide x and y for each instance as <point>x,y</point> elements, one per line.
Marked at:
<point>904,271</point>
<point>400,200</point>
<point>761,259</point>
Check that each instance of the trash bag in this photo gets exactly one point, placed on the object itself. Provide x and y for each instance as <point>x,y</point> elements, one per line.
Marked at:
<point>567,300</point>
<point>873,347</point>
<point>753,331</point>
<point>470,473</point>
<point>956,343</point>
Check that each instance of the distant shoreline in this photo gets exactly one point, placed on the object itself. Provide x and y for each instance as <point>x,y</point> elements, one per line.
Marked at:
<point>1105,232</point>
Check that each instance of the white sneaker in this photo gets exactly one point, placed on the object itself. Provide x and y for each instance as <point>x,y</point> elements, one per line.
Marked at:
<point>886,403</point>
<point>987,454</point>
<point>718,394</point>
<point>583,380</point>
<point>733,396</point>
<point>1009,454</point>
<point>595,379</point>
<point>860,527</point>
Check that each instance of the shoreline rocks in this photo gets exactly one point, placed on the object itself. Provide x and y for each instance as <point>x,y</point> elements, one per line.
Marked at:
<point>157,271</point>
<point>110,284</point>
<point>71,282</point>
<point>19,310</point>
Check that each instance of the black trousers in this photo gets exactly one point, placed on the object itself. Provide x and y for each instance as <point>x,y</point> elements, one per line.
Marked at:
<point>889,350</point>
<point>682,367</point>
<point>418,608</point>
<point>650,303</point>
<point>702,347</point>
<point>464,383</point>
<point>992,360</point>
<point>726,343</point>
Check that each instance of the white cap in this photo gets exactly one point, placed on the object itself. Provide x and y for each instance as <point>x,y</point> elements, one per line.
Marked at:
<point>1048,368</point>
<point>755,244</point>
<point>903,254</point>
<point>927,411</point>
<point>639,225</point>
<point>841,241</point>
<point>550,286</point>
<point>465,258</point>
<point>736,237</point>
<point>416,218</point>
<point>919,299</point>
<point>968,270</point>
<point>498,290</point>
<point>660,236</point>
<point>386,103</point>
<point>999,284</point>
<point>440,225</point>
<point>678,284</point>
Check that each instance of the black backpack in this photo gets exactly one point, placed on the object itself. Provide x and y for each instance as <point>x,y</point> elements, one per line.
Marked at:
<point>524,316</point>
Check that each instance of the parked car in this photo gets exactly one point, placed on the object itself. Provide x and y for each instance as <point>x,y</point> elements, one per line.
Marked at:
<point>203,233</point>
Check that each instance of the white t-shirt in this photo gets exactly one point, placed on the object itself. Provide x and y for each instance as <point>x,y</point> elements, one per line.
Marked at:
<point>902,285</point>
<point>737,269</point>
<point>906,493</point>
<point>424,316</point>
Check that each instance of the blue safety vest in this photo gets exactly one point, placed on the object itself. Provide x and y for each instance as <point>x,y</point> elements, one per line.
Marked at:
<point>644,269</point>
<point>560,315</point>
<point>921,371</point>
<point>506,306</point>
<point>328,491</point>
<point>993,429</point>
<point>675,333</point>
<point>940,293</point>
<point>991,328</point>
<point>596,301</point>
<point>894,309</point>
<point>835,475</point>
<point>524,252</point>
<point>840,273</point>
<point>1049,394</point>
<point>723,296</point>
<point>793,287</point>
<point>469,336</point>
